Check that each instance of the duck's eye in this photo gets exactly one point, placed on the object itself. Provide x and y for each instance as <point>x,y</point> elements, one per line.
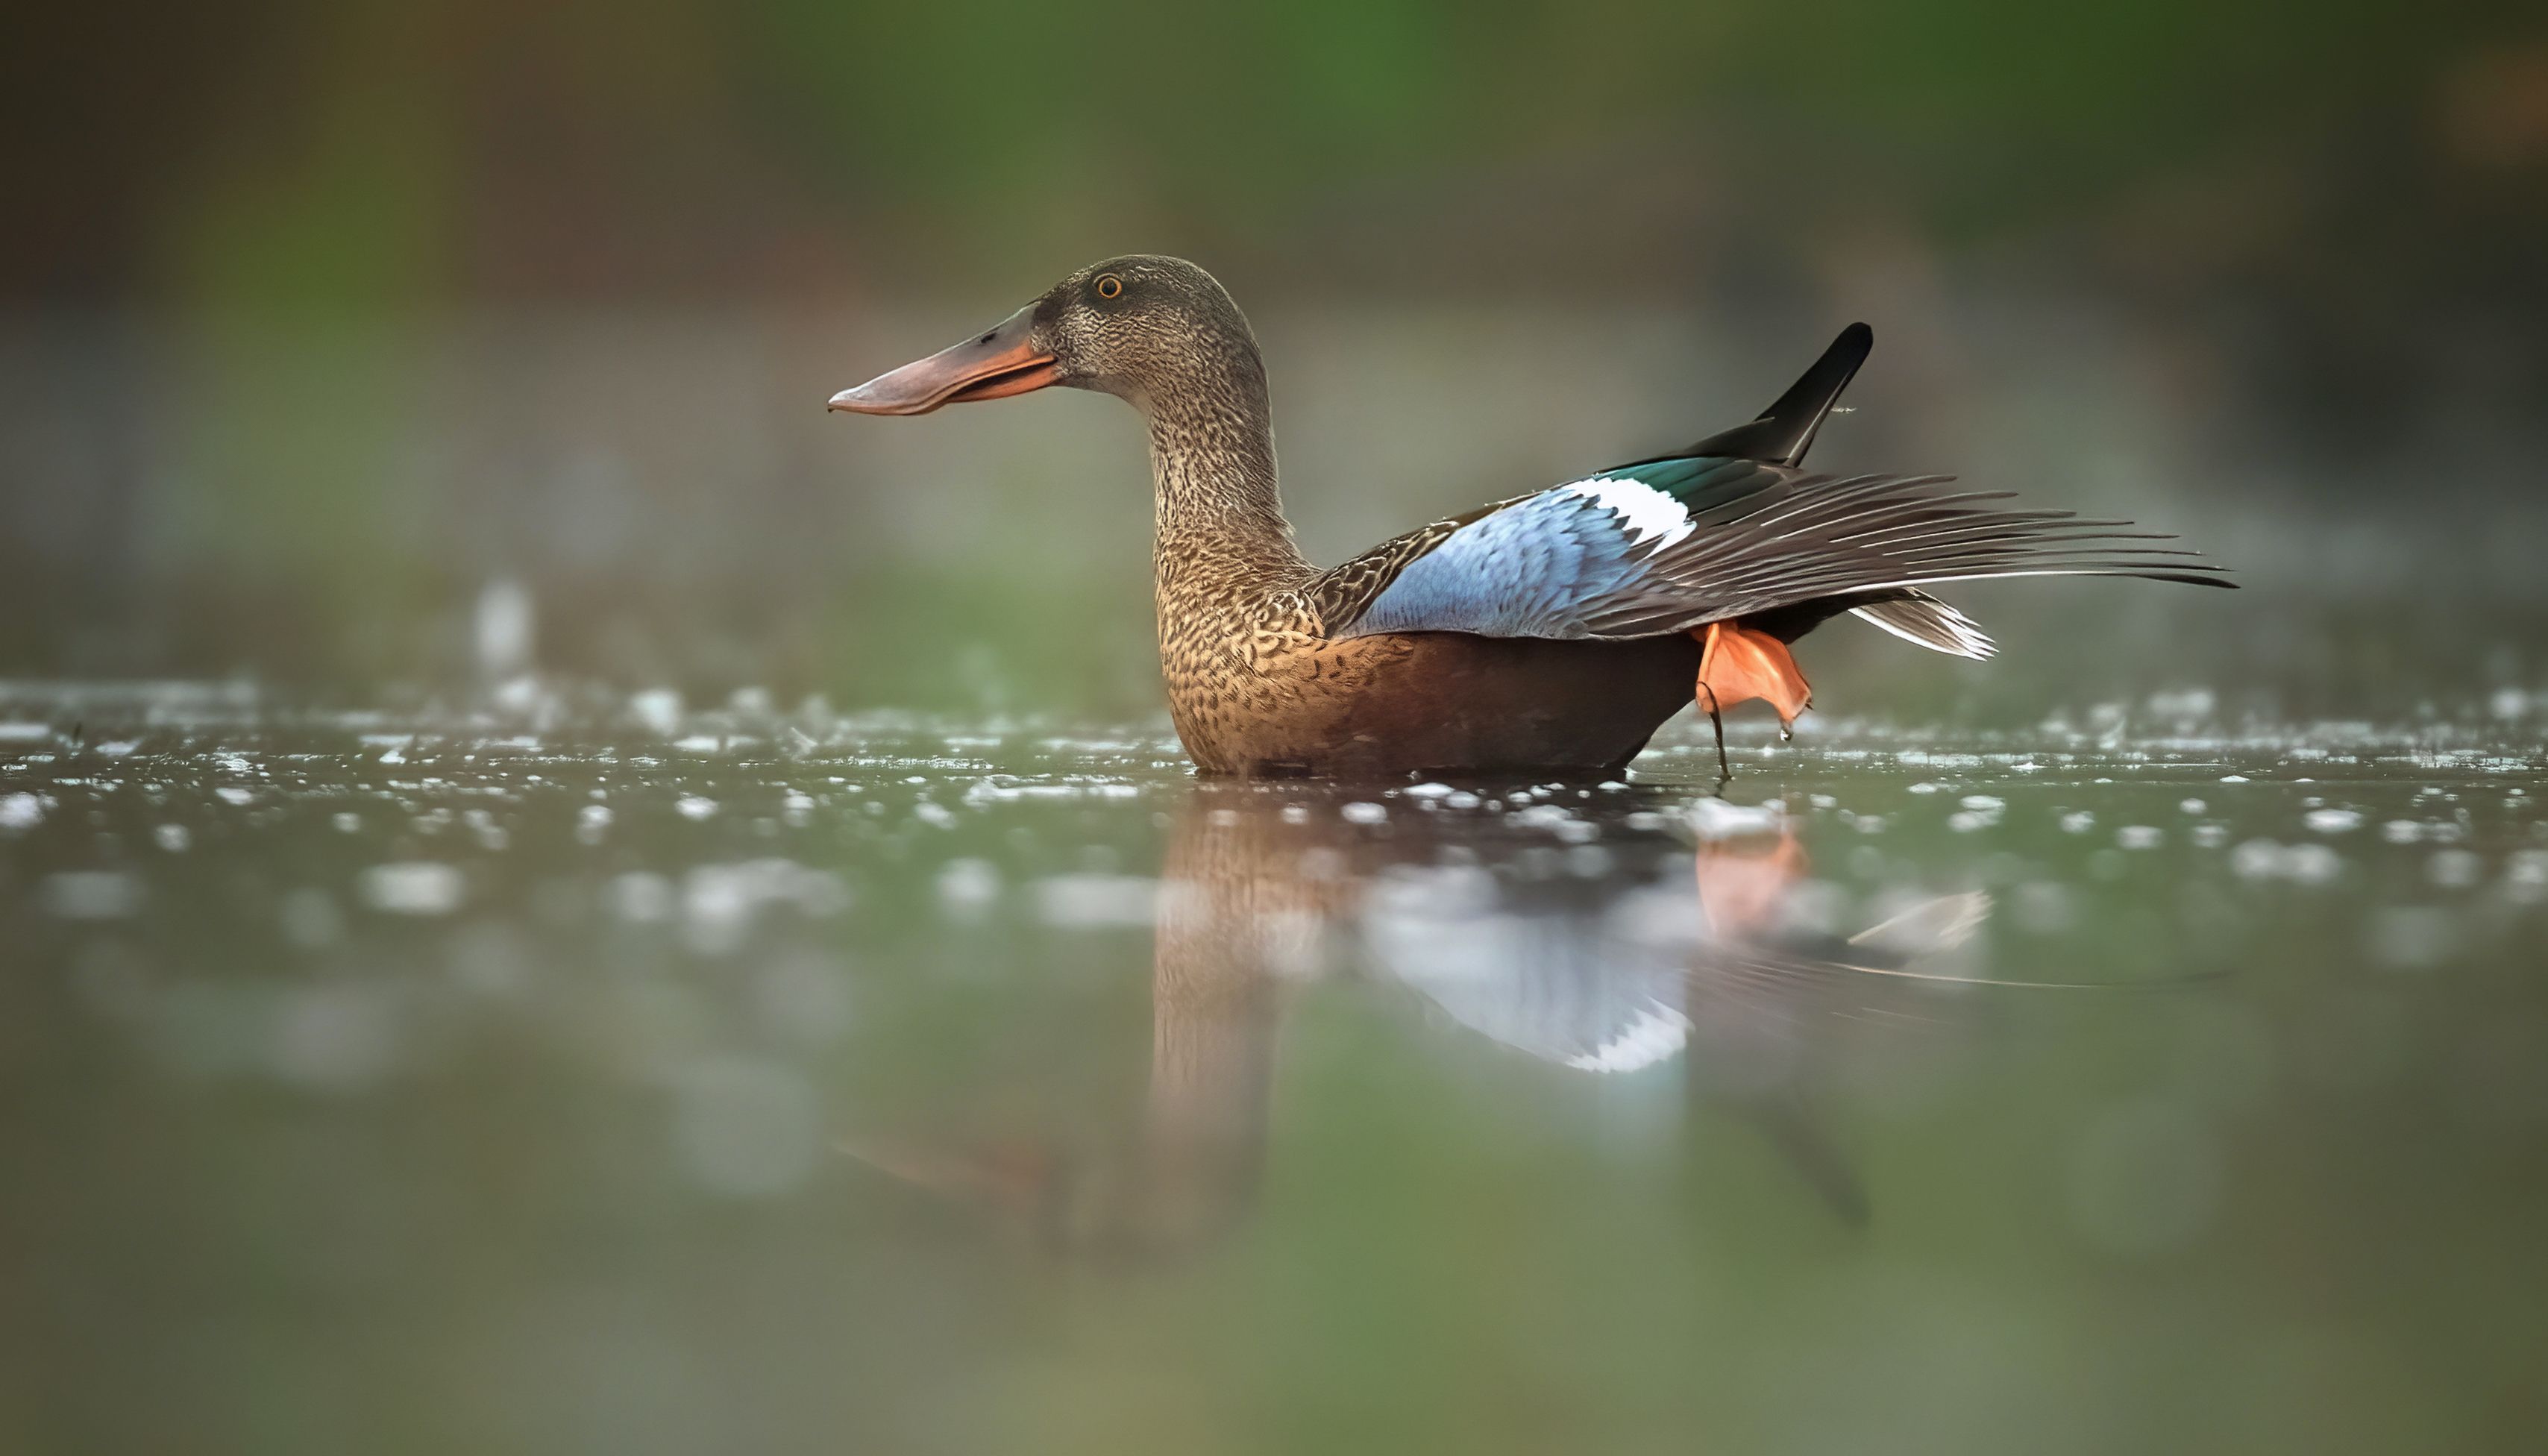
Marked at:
<point>1109,285</point>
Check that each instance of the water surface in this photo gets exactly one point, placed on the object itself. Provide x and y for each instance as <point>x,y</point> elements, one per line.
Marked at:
<point>591,1075</point>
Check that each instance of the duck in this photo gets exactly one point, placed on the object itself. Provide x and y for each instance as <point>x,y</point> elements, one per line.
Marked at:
<point>1545,635</point>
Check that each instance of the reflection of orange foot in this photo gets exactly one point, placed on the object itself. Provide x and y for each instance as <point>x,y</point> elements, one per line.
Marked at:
<point>1742,663</point>
<point>1743,883</point>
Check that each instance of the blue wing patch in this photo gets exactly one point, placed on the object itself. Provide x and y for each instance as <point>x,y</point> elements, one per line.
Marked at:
<point>1526,571</point>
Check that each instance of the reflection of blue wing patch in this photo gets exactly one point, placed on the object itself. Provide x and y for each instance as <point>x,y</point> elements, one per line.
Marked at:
<point>1526,571</point>
<point>1551,984</point>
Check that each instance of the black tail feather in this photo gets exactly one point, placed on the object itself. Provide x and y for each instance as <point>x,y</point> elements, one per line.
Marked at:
<point>1786,430</point>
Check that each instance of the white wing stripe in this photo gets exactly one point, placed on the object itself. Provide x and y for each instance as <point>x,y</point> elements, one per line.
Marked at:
<point>1643,512</point>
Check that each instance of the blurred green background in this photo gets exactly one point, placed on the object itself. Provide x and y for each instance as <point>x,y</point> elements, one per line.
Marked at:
<point>322,327</point>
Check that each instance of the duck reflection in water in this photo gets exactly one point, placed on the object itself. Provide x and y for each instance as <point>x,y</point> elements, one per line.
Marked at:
<point>1595,958</point>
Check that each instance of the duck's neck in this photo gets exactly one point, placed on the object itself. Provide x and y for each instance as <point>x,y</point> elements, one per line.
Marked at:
<point>1219,516</point>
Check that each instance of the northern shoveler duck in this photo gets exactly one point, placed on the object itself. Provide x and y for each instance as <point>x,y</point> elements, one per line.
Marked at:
<point>1550,633</point>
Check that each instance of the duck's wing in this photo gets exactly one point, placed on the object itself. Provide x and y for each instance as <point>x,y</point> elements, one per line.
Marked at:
<point>1673,543</point>
<point>1781,435</point>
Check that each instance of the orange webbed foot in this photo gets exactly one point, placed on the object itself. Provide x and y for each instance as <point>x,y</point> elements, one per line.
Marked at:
<point>1741,664</point>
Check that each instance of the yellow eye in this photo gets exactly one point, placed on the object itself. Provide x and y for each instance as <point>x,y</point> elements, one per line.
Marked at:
<point>1109,285</point>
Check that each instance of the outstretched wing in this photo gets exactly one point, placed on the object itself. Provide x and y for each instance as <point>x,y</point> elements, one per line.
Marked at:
<point>1667,545</point>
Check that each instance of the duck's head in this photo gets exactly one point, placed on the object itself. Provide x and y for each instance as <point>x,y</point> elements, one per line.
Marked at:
<point>1137,325</point>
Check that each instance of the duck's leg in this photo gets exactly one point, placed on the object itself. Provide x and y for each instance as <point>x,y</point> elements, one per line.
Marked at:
<point>1706,698</point>
<point>1744,662</point>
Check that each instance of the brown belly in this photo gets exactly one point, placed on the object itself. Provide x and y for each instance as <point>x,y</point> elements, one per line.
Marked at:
<point>1448,702</point>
